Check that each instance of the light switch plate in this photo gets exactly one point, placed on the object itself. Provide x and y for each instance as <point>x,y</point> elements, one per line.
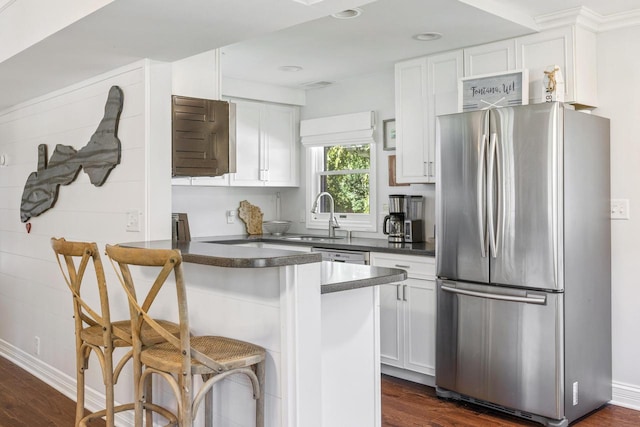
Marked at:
<point>620,209</point>
<point>133,220</point>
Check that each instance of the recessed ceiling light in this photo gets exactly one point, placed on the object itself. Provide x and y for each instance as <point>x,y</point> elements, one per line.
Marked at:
<point>316,84</point>
<point>427,37</point>
<point>290,68</point>
<point>348,14</point>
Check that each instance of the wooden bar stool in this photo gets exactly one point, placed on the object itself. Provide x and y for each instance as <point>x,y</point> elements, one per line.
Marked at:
<point>212,357</point>
<point>95,331</point>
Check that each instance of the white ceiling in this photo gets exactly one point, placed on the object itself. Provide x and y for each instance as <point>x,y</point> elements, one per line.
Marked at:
<point>124,31</point>
<point>329,49</point>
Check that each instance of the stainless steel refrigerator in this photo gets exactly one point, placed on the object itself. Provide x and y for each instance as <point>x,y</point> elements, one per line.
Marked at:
<point>523,261</point>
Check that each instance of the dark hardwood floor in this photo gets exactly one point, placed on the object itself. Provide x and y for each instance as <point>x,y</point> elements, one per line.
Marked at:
<point>406,404</point>
<point>25,401</point>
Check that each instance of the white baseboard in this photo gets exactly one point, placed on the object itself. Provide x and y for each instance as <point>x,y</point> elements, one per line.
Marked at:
<point>626,395</point>
<point>405,374</point>
<point>94,400</point>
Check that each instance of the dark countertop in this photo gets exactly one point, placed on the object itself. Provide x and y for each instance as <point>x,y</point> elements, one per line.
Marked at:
<point>338,276</point>
<point>225,255</point>
<point>354,244</point>
<point>335,277</point>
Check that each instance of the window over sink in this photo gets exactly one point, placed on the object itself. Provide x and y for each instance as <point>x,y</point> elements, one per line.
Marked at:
<point>341,163</point>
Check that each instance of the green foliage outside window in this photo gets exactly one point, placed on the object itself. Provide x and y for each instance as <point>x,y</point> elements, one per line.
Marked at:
<point>350,187</point>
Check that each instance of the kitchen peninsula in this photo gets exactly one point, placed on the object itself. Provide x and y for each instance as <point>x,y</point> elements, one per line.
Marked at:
<point>319,322</point>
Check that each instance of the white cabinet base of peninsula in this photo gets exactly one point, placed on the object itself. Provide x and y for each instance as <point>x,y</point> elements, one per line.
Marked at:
<point>407,318</point>
<point>323,358</point>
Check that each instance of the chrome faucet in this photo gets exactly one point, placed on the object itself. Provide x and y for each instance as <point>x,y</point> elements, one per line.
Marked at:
<point>333,222</point>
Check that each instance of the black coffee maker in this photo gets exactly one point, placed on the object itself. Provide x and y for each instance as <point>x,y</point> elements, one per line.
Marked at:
<point>393,224</point>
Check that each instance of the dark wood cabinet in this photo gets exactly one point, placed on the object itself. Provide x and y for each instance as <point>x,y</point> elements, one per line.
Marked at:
<point>200,137</point>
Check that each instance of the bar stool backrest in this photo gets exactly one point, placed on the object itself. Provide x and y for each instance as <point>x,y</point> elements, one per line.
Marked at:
<point>84,314</point>
<point>169,262</point>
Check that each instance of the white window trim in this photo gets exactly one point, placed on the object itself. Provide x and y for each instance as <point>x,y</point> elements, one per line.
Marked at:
<point>353,222</point>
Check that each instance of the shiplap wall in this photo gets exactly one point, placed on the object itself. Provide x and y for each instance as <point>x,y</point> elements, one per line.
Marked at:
<point>34,300</point>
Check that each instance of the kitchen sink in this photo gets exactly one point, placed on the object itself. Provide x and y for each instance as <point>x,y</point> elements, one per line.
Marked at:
<point>312,238</point>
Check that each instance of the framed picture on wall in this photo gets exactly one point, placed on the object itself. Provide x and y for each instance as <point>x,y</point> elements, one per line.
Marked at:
<point>392,172</point>
<point>389,134</point>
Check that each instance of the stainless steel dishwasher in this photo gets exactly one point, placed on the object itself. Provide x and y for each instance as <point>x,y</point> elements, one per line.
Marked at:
<point>349,257</point>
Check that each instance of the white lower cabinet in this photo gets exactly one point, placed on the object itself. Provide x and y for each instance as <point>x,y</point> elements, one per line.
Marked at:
<point>408,314</point>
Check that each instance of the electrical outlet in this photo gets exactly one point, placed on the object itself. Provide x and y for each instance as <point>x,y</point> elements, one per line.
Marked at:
<point>620,209</point>
<point>133,220</point>
<point>231,217</point>
<point>36,346</point>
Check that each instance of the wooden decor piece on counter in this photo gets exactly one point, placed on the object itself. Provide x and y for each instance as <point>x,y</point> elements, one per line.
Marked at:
<point>252,217</point>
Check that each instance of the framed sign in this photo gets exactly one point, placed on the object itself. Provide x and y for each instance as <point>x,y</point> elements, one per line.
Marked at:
<point>389,134</point>
<point>493,90</point>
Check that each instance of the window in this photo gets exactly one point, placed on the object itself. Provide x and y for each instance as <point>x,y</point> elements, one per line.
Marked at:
<point>347,172</point>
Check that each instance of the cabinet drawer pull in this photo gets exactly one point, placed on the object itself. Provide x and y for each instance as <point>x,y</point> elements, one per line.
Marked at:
<point>398,293</point>
<point>403,266</point>
<point>404,292</point>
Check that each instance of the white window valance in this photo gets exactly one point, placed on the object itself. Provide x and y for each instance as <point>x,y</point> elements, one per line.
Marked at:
<point>343,129</point>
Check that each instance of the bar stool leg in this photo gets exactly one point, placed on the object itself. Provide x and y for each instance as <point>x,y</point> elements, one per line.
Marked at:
<point>107,376</point>
<point>260,373</point>
<point>81,365</point>
<point>138,397</point>
<point>208,405</point>
<point>148,398</point>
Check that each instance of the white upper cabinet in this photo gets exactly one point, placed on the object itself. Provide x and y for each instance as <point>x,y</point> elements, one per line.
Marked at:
<point>267,145</point>
<point>412,154</point>
<point>573,48</point>
<point>281,159</point>
<point>490,58</point>
<point>249,144</point>
<point>443,72</point>
<point>425,88</point>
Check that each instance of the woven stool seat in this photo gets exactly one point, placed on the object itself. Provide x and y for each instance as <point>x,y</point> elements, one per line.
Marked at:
<point>229,353</point>
<point>94,335</point>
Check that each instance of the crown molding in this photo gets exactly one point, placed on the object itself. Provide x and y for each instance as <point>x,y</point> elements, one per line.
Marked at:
<point>589,19</point>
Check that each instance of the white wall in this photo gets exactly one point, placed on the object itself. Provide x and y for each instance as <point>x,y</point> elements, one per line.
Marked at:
<point>619,94</point>
<point>206,207</point>
<point>34,300</point>
<point>370,92</point>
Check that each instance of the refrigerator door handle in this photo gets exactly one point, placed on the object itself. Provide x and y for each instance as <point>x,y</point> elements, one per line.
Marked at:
<point>529,299</point>
<point>481,208</point>
<point>490,196</point>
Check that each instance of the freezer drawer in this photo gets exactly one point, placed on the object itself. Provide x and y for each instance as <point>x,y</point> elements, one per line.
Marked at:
<point>501,345</point>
